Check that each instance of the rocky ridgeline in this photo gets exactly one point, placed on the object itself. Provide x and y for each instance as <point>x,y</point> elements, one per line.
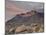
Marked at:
<point>32,12</point>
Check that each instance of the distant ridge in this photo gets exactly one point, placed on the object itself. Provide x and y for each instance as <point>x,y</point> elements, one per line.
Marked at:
<point>32,12</point>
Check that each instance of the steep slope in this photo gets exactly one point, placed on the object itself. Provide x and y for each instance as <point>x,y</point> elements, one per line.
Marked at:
<point>26,19</point>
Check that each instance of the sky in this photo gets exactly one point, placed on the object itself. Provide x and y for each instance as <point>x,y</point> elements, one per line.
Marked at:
<point>17,7</point>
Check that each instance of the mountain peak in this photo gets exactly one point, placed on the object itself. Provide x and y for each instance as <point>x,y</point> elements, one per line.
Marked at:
<point>32,12</point>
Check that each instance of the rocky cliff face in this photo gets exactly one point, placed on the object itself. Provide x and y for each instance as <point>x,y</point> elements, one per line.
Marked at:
<point>26,19</point>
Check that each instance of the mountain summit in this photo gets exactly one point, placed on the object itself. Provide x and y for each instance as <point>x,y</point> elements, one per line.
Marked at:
<point>32,12</point>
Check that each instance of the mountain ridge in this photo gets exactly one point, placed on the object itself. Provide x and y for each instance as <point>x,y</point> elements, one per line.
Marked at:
<point>25,19</point>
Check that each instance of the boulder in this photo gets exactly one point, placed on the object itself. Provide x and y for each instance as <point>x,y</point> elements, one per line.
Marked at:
<point>20,29</point>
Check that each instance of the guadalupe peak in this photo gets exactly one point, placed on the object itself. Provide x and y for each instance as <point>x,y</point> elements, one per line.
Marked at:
<point>30,13</point>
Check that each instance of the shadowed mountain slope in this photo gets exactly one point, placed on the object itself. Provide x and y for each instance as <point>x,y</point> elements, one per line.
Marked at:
<point>26,19</point>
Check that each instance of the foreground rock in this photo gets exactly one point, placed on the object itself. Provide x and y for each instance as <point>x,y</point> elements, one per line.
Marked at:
<point>37,27</point>
<point>34,27</point>
<point>20,28</point>
<point>23,28</point>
